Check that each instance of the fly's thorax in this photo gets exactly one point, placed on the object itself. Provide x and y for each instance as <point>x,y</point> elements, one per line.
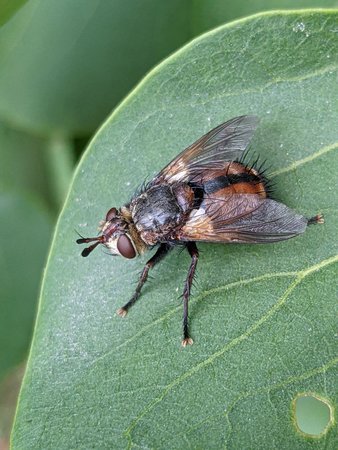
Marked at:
<point>160,210</point>
<point>156,209</point>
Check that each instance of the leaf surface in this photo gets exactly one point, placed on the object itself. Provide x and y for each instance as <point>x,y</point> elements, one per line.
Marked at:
<point>262,316</point>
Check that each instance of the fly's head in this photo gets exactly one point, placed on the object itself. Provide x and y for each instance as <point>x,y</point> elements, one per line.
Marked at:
<point>115,236</point>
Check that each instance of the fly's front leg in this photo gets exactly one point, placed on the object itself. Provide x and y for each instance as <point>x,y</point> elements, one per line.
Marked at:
<point>160,254</point>
<point>193,252</point>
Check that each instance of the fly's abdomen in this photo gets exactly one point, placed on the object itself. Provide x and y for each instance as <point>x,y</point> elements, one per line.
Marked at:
<point>234,178</point>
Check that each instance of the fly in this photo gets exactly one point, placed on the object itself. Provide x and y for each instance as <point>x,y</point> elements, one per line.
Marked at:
<point>206,194</point>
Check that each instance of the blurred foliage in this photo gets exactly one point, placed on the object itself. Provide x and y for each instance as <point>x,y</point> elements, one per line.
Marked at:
<point>8,8</point>
<point>64,65</point>
<point>313,414</point>
<point>23,163</point>
<point>9,389</point>
<point>25,228</point>
<point>208,14</point>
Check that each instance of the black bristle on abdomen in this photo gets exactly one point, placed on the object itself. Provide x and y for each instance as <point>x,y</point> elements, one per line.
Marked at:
<point>252,162</point>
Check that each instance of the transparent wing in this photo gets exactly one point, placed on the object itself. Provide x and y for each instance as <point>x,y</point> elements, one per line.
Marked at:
<point>244,219</point>
<point>225,143</point>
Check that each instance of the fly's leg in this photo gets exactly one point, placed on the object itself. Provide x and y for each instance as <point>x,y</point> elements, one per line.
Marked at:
<point>160,254</point>
<point>193,252</point>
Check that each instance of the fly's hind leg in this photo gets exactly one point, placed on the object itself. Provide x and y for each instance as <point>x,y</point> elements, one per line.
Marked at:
<point>160,254</point>
<point>193,252</point>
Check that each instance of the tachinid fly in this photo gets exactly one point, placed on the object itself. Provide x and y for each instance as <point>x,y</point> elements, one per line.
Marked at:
<point>206,194</point>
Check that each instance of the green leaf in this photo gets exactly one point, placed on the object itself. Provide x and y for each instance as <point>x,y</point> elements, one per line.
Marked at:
<point>9,392</point>
<point>25,229</point>
<point>60,160</point>
<point>262,316</point>
<point>206,15</point>
<point>36,165</point>
<point>8,8</point>
<point>22,159</point>
<point>65,64</point>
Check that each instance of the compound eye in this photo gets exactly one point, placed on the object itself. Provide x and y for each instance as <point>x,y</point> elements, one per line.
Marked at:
<point>111,214</point>
<point>125,247</point>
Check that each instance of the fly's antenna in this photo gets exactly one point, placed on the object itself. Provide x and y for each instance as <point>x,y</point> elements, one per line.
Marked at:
<point>85,252</point>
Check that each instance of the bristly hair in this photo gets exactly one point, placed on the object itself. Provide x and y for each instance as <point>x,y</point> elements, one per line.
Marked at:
<point>141,188</point>
<point>251,160</point>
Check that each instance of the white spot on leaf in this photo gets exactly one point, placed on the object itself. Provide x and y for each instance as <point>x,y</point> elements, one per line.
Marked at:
<point>299,27</point>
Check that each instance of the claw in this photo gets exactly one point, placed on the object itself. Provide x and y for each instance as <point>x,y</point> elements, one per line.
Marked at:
<point>187,341</point>
<point>319,218</point>
<point>121,312</point>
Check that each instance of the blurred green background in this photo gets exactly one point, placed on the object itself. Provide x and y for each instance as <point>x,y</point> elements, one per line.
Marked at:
<point>64,65</point>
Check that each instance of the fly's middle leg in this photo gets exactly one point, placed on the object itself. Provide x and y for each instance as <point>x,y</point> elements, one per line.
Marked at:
<point>193,252</point>
<point>159,255</point>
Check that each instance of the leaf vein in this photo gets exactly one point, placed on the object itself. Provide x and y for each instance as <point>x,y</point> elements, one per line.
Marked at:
<point>200,297</point>
<point>267,389</point>
<point>301,275</point>
<point>300,162</point>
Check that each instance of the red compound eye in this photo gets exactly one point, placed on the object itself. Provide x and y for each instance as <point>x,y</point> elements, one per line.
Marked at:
<point>125,247</point>
<point>111,214</point>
